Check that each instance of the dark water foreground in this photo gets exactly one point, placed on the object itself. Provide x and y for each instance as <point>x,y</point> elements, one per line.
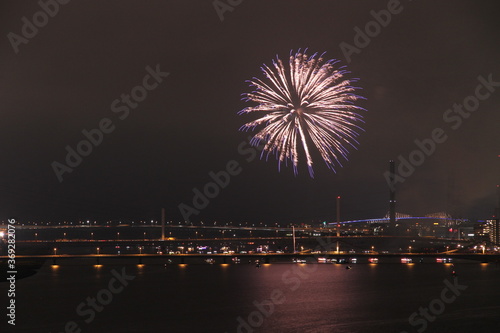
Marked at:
<point>243,298</point>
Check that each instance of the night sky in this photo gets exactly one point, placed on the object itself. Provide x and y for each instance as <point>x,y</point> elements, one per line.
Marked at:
<point>65,78</point>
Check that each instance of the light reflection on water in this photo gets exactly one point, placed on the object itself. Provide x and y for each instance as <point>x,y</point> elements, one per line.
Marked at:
<point>211,298</point>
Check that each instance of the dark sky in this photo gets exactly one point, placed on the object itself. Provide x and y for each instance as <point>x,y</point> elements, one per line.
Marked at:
<point>65,78</point>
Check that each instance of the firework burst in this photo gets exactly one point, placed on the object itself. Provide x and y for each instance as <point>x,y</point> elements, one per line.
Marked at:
<point>307,102</point>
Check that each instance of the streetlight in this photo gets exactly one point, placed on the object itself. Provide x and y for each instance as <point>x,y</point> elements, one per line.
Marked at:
<point>97,251</point>
<point>36,236</point>
<point>409,248</point>
<point>117,235</point>
<point>140,249</point>
<point>373,248</point>
<point>144,235</point>
<point>55,251</point>
<point>92,235</point>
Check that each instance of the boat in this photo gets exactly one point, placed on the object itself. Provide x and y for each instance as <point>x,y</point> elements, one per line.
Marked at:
<point>298,261</point>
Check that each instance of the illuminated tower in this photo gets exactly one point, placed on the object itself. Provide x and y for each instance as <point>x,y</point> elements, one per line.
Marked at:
<point>392,195</point>
<point>163,224</point>
<point>497,212</point>
<point>495,230</point>
<point>338,216</point>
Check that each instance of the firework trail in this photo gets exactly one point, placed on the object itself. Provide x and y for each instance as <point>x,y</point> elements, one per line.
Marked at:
<point>308,101</point>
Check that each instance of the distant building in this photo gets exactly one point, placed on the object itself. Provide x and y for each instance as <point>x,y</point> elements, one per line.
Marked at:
<point>494,230</point>
<point>482,230</point>
<point>466,232</point>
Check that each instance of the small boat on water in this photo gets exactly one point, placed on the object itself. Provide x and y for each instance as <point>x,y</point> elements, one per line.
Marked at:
<point>298,261</point>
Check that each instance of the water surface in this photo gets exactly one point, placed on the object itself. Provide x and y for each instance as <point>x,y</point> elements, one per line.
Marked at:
<point>221,298</point>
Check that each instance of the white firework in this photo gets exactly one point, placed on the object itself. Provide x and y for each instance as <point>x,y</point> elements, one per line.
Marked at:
<point>308,101</point>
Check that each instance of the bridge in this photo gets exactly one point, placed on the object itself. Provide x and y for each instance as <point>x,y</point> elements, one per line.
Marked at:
<point>262,257</point>
<point>441,216</point>
<point>152,241</point>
